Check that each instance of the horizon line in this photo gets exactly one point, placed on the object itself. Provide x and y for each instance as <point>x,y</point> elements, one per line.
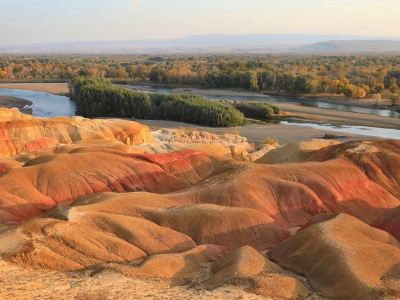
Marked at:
<point>361,37</point>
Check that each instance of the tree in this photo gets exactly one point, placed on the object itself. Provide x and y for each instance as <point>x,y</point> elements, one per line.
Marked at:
<point>156,75</point>
<point>367,90</point>
<point>395,99</point>
<point>301,85</point>
<point>359,92</point>
<point>253,81</point>
<point>377,97</point>
<point>266,80</point>
<point>99,97</point>
<point>348,90</point>
<point>394,87</point>
<point>379,87</point>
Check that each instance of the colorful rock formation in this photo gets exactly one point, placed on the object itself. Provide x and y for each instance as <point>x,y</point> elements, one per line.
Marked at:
<point>112,196</point>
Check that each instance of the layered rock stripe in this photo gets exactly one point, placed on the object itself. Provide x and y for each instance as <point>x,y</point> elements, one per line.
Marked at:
<point>78,193</point>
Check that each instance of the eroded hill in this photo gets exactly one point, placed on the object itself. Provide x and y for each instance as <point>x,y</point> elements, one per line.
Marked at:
<point>111,198</point>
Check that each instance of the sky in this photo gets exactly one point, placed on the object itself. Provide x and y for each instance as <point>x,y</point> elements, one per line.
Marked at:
<point>41,21</point>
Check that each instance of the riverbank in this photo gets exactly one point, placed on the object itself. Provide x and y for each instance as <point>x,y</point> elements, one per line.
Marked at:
<point>313,114</point>
<point>335,99</point>
<point>61,88</point>
<point>365,103</point>
<point>342,100</point>
<point>336,117</point>
<point>23,105</point>
<point>53,88</point>
<point>41,104</point>
<point>44,106</point>
<point>258,134</point>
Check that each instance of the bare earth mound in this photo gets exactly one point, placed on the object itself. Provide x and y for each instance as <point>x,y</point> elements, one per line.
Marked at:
<point>111,199</point>
<point>344,258</point>
<point>390,222</point>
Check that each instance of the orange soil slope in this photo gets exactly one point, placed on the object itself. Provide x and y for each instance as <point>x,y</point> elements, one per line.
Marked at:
<point>289,194</point>
<point>88,199</point>
<point>21,133</point>
<point>343,258</point>
<point>26,192</point>
<point>390,222</point>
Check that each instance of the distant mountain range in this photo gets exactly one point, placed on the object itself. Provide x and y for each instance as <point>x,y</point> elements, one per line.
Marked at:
<point>247,43</point>
<point>352,46</point>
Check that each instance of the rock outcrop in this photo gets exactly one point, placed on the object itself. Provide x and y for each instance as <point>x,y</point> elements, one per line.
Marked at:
<point>223,145</point>
<point>20,133</point>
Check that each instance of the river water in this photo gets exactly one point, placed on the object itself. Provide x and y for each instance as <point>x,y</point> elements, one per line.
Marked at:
<point>50,105</point>
<point>356,109</point>
<point>44,104</point>
<point>318,104</point>
<point>385,133</point>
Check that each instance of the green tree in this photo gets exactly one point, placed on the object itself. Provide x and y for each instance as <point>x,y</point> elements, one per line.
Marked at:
<point>253,81</point>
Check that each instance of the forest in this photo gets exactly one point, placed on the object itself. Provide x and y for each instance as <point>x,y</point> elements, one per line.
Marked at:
<point>360,77</point>
<point>97,97</point>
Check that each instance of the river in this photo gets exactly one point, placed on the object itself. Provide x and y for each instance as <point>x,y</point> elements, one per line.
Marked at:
<point>260,97</point>
<point>50,105</point>
<point>44,104</point>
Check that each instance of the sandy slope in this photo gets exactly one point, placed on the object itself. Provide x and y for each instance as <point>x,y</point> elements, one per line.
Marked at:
<point>29,284</point>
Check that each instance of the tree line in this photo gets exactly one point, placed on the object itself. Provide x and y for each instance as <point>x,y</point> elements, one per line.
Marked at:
<point>97,97</point>
<point>352,76</point>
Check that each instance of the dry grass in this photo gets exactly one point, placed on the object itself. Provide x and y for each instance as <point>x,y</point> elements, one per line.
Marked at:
<point>269,141</point>
<point>93,295</point>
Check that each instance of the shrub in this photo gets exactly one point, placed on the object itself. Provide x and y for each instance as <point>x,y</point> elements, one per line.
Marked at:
<point>270,141</point>
<point>260,111</point>
<point>99,97</point>
<point>395,99</point>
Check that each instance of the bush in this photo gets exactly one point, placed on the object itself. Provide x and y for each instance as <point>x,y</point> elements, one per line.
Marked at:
<point>99,97</point>
<point>270,141</point>
<point>259,111</point>
<point>395,99</point>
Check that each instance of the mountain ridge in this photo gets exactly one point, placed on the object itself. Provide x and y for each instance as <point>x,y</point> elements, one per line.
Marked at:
<point>225,43</point>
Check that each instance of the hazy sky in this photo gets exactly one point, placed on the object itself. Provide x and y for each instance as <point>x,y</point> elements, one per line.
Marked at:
<point>27,21</point>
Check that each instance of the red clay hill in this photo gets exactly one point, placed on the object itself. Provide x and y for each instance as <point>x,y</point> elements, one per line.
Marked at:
<point>102,195</point>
